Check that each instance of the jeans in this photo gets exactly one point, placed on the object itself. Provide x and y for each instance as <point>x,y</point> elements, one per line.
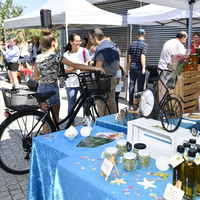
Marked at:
<point>71,97</point>
<point>54,99</point>
<point>135,74</point>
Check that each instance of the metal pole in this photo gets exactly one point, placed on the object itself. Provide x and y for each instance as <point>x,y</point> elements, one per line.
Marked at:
<point>190,27</point>
<point>5,36</point>
<point>131,32</point>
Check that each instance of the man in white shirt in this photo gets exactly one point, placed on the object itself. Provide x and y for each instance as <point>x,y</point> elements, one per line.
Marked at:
<point>172,47</point>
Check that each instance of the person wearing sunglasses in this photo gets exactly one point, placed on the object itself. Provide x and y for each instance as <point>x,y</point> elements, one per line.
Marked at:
<point>12,56</point>
<point>74,53</point>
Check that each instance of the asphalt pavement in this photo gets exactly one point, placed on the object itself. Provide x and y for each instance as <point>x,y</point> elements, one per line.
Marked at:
<point>14,187</point>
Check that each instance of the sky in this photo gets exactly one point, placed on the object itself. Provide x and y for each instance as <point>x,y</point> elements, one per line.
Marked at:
<point>31,5</point>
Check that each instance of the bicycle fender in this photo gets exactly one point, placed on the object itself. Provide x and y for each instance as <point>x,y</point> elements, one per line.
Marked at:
<point>178,96</point>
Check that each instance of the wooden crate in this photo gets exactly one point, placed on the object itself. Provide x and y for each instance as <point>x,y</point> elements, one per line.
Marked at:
<point>188,87</point>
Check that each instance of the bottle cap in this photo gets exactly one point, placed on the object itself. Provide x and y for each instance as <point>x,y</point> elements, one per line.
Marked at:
<point>140,146</point>
<point>186,145</point>
<point>192,141</point>
<point>129,155</point>
<point>180,148</point>
<point>198,149</point>
<point>121,142</point>
<point>111,150</point>
<point>192,153</point>
<point>144,152</point>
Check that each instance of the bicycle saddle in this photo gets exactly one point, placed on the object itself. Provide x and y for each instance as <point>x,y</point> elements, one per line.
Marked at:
<point>44,96</point>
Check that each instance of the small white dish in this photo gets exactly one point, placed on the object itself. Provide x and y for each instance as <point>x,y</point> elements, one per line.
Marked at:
<point>85,131</point>
<point>162,163</point>
<point>71,133</point>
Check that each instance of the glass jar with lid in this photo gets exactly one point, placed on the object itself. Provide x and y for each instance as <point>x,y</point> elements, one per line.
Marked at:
<point>195,66</point>
<point>194,57</point>
<point>144,158</point>
<point>189,66</point>
<point>111,151</point>
<point>121,147</point>
<point>129,161</point>
<point>138,146</point>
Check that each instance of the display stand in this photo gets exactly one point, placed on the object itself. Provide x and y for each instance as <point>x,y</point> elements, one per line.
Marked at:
<point>159,142</point>
<point>113,162</point>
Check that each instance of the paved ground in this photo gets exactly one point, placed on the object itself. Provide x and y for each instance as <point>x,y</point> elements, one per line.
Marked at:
<point>14,187</point>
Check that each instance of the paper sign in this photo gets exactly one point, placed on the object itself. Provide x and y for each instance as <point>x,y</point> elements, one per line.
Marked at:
<point>106,167</point>
<point>173,193</point>
<point>176,160</point>
<point>197,160</point>
<point>103,154</point>
<point>121,160</point>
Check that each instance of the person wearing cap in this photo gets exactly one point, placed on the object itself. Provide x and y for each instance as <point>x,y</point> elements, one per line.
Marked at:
<point>137,59</point>
<point>12,56</point>
<point>172,47</point>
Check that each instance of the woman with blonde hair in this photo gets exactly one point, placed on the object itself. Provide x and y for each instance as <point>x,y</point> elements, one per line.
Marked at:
<point>47,68</point>
<point>12,57</point>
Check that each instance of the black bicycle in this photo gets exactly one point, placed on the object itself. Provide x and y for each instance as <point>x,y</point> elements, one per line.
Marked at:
<point>24,121</point>
<point>169,108</point>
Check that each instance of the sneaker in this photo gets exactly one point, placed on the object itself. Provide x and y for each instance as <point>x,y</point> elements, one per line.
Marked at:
<point>14,91</point>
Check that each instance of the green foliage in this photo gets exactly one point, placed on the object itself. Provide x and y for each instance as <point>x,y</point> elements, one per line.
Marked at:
<point>9,10</point>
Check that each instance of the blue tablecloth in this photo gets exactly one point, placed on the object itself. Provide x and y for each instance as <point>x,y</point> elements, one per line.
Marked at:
<point>55,174</point>
<point>110,122</point>
<point>75,183</point>
<point>46,152</point>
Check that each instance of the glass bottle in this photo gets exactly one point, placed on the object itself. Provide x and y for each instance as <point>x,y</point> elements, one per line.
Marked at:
<point>192,143</point>
<point>198,172</point>
<point>190,178</point>
<point>187,147</point>
<point>178,171</point>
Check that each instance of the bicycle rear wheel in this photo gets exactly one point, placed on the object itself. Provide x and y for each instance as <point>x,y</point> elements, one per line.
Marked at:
<point>97,108</point>
<point>171,114</point>
<point>16,135</point>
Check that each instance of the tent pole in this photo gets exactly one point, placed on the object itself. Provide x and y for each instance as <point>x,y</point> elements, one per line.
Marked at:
<point>5,36</point>
<point>190,26</point>
<point>131,32</point>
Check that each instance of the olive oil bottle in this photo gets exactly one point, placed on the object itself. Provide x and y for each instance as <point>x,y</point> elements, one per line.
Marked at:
<point>192,143</point>
<point>190,178</point>
<point>178,171</point>
<point>198,172</point>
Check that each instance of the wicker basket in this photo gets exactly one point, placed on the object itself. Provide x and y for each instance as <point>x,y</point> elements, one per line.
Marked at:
<point>94,84</point>
<point>25,99</point>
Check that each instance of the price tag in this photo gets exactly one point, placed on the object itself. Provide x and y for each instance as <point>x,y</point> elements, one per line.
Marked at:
<point>176,160</point>
<point>121,160</point>
<point>173,193</point>
<point>106,167</point>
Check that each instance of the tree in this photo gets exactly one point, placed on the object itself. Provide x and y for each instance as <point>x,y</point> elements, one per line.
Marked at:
<point>9,10</point>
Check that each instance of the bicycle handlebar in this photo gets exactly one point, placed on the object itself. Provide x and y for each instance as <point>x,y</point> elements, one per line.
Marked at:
<point>98,72</point>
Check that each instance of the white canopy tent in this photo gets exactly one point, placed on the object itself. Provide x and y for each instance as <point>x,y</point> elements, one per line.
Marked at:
<point>161,15</point>
<point>189,5</point>
<point>68,14</point>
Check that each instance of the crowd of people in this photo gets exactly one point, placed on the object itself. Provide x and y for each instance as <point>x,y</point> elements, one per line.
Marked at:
<point>95,53</point>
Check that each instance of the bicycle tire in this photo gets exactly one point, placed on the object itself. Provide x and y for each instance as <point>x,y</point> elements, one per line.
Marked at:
<point>16,139</point>
<point>97,108</point>
<point>171,114</point>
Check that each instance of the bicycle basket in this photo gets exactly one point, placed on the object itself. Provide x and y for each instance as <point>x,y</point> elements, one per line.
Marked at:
<point>94,84</point>
<point>25,99</point>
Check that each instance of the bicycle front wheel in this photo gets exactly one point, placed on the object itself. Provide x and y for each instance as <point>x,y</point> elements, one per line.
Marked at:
<point>171,114</point>
<point>16,135</point>
<point>97,108</point>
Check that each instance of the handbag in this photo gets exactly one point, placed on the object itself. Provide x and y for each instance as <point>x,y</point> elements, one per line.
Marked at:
<point>32,84</point>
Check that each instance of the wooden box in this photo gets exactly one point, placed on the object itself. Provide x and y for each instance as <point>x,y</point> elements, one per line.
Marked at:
<point>188,87</point>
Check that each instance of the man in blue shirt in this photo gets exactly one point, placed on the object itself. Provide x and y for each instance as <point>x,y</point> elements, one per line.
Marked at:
<point>137,59</point>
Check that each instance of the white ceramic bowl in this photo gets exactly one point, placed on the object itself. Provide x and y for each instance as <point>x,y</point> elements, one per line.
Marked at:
<point>71,133</point>
<point>85,131</point>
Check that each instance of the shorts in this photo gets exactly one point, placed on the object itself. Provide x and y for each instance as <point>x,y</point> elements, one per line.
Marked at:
<point>53,100</point>
<point>13,66</point>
